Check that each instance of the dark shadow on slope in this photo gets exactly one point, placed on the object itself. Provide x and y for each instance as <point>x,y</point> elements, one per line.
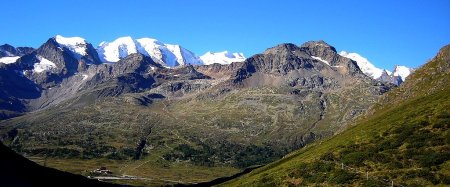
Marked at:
<point>222,179</point>
<point>15,170</point>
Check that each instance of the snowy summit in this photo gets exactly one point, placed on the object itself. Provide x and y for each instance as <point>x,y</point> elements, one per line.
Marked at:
<point>402,72</point>
<point>166,54</point>
<point>224,57</point>
<point>364,64</point>
<point>77,45</point>
<point>376,73</point>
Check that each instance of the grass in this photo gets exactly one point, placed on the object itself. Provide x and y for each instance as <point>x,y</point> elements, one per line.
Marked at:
<point>418,120</point>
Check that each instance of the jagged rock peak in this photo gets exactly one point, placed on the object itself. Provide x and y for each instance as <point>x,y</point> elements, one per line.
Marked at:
<point>317,44</point>
<point>138,58</point>
<point>135,63</point>
<point>7,50</point>
<point>318,48</point>
<point>282,48</point>
<point>79,47</point>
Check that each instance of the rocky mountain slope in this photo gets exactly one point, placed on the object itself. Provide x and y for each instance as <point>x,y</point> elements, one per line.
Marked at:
<point>59,69</point>
<point>11,51</point>
<point>403,141</point>
<point>53,72</point>
<point>136,114</point>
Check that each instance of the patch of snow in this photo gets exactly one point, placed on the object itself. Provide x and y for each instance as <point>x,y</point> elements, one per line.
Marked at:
<point>9,60</point>
<point>224,57</point>
<point>85,76</point>
<point>320,59</point>
<point>388,72</point>
<point>364,64</point>
<point>402,71</point>
<point>43,65</point>
<point>174,57</point>
<point>320,44</point>
<point>76,45</point>
<point>188,57</point>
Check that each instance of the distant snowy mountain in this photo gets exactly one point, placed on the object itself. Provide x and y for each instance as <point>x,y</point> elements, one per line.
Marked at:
<point>165,54</point>
<point>9,54</point>
<point>224,57</point>
<point>397,76</point>
<point>77,45</point>
<point>7,50</point>
<point>364,64</point>
<point>114,51</point>
<point>402,71</point>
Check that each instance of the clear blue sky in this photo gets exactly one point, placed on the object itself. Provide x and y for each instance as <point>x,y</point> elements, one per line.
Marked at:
<point>387,32</point>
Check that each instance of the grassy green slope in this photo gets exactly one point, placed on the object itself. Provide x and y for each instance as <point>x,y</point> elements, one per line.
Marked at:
<point>407,142</point>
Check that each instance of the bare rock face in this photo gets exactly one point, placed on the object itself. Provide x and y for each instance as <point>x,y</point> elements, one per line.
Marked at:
<point>314,65</point>
<point>219,71</point>
<point>386,78</point>
<point>66,64</point>
<point>7,50</point>
<point>14,89</point>
<point>328,53</point>
<point>134,63</point>
<point>320,49</point>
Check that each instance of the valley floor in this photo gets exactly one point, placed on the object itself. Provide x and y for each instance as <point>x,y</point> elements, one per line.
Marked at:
<point>140,172</point>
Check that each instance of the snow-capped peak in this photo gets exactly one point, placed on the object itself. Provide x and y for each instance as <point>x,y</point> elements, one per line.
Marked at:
<point>402,71</point>
<point>77,45</point>
<point>119,48</point>
<point>377,73</point>
<point>224,57</point>
<point>364,64</point>
<point>166,54</point>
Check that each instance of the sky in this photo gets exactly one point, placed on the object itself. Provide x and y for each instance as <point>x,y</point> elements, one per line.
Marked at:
<point>405,32</point>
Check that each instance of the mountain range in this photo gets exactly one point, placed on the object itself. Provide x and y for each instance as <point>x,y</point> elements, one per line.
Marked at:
<point>156,110</point>
<point>403,140</point>
<point>170,55</point>
<point>30,74</point>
